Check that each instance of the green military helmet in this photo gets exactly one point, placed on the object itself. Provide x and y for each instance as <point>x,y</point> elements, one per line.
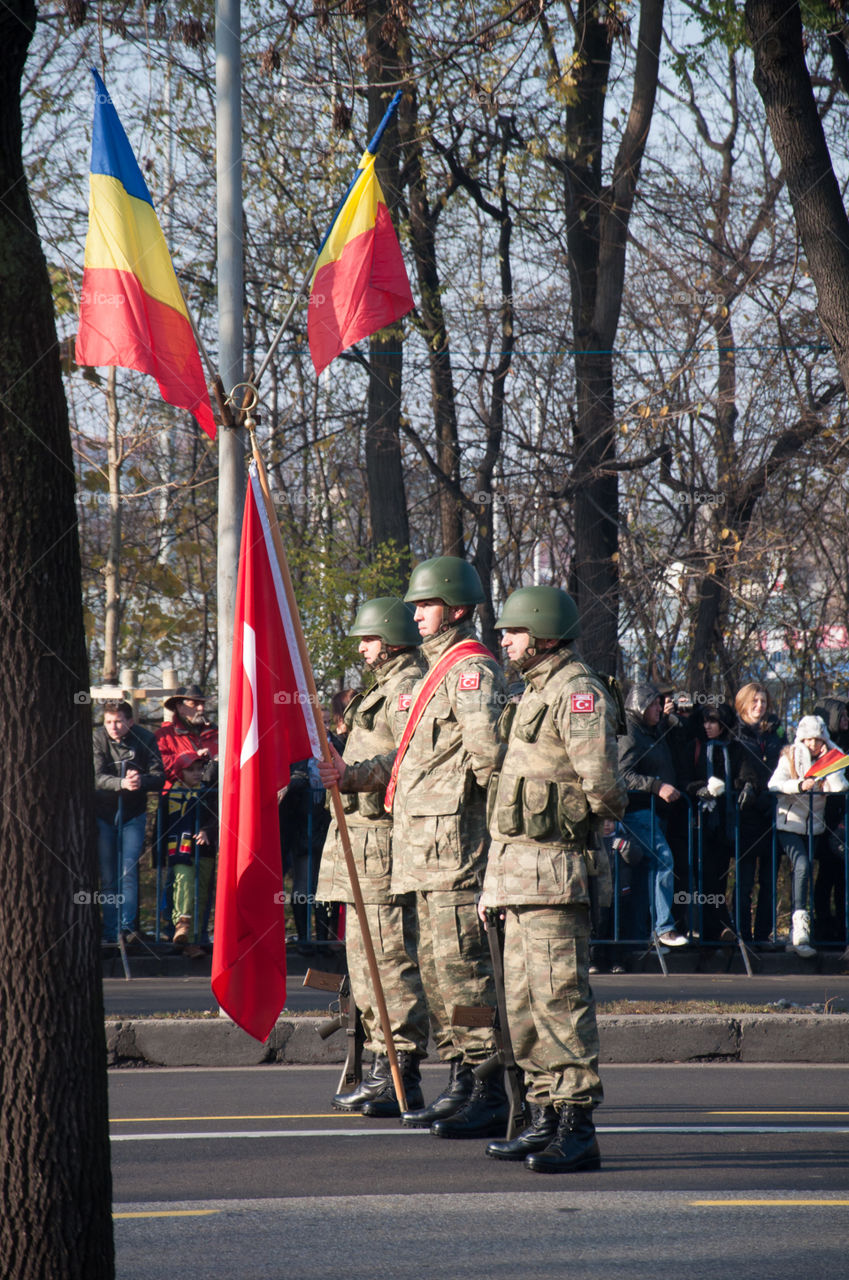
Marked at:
<point>389,618</point>
<point>546,612</point>
<point>445,578</point>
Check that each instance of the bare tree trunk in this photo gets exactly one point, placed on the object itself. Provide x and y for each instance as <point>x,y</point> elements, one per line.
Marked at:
<point>782,79</point>
<point>597,231</point>
<point>384,471</point>
<point>112,571</point>
<point>55,1185</point>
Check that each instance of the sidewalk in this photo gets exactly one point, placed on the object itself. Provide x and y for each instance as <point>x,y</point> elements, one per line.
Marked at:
<point>136,1038</point>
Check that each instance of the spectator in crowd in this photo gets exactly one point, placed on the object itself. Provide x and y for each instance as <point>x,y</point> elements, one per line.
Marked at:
<point>830,850</point>
<point>188,730</point>
<point>339,704</point>
<point>127,767</point>
<point>191,818</point>
<point>755,761</point>
<point>304,821</point>
<point>681,727</point>
<point>800,818</point>
<point>647,768</point>
<point>712,787</point>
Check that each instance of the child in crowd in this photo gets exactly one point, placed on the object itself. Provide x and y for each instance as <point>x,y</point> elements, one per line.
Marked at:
<point>191,836</point>
<point>801,814</point>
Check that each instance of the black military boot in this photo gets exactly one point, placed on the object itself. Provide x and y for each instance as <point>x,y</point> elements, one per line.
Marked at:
<point>373,1084</point>
<point>384,1105</point>
<point>539,1133</point>
<point>574,1148</point>
<point>453,1096</point>
<point>485,1115</point>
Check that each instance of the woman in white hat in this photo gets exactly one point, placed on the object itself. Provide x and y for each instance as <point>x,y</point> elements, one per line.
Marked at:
<point>801,815</point>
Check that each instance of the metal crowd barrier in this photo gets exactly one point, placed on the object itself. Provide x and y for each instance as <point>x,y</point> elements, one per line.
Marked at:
<point>696,896</point>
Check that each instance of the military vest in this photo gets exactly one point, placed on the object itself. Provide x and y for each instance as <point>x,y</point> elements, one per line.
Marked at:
<point>538,795</point>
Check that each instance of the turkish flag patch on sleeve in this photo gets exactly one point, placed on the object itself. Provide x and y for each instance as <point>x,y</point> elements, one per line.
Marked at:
<point>583,702</point>
<point>404,701</point>
<point>469,680</point>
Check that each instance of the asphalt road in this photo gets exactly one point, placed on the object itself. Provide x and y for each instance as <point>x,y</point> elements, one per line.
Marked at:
<point>708,1171</point>
<point>147,996</point>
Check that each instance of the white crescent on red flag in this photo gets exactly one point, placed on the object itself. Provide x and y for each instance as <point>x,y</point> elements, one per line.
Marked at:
<point>269,726</point>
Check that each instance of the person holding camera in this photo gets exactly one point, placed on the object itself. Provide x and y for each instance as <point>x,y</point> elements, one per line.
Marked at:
<point>127,767</point>
<point>187,730</point>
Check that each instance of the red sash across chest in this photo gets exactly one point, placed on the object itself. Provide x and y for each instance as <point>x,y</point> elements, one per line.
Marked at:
<point>465,649</point>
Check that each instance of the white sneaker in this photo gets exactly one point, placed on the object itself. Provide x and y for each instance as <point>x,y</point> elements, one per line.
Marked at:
<point>800,935</point>
<point>672,939</point>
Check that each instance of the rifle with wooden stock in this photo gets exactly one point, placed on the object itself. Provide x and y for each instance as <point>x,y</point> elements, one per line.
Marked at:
<point>347,1016</point>
<point>485,1016</point>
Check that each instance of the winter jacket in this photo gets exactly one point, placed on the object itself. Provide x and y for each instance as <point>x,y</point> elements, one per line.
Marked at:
<point>797,808</point>
<point>188,811</point>
<point>755,761</point>
<point>174,738</point>
<point>137,749</point>
<point>645,763</point>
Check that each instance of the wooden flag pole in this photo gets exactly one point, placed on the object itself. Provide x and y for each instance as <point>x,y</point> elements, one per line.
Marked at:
<point>339,813</point>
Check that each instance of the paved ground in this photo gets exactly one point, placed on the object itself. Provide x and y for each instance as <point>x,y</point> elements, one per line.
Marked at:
<point>146,996</point>
<point>709,1171</point>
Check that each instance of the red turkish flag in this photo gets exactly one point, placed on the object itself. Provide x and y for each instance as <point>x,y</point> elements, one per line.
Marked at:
<point>269,726</point>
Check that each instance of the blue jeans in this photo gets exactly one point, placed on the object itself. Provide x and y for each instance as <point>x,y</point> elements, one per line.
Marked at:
<point>658,855</point>
<point>796,848</point>
<point>132,842</point>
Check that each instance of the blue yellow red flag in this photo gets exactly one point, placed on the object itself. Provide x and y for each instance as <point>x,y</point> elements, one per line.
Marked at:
<point>359,282</point>
<point>132,312</point>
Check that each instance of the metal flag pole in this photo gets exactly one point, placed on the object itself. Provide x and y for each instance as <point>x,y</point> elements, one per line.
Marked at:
<point>338,811</point>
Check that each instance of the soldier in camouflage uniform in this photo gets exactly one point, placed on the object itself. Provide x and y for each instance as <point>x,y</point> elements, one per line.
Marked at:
<point>440,838</point>
<point>389,640</point>
<point>559,787</point>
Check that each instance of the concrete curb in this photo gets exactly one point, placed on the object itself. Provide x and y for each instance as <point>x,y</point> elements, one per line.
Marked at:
<point>625,1038</point>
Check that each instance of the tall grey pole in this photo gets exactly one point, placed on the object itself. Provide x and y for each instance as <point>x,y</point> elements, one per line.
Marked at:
<point>231,449</point>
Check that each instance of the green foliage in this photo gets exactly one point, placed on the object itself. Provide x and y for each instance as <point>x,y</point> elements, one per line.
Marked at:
<point>329,592</point>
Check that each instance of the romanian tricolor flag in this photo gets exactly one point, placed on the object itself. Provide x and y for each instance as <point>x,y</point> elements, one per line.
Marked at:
<point>359,283</point>
<point>132,312</point>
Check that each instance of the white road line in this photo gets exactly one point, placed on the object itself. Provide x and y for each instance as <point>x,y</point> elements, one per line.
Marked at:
<point>406,1133</point>
<point>267,1133</point>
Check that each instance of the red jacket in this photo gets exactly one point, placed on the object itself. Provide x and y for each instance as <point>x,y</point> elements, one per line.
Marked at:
<point>175,738</point>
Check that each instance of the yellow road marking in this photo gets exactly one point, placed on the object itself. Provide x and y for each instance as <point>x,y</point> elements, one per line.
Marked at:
<point>733,1204</point>
<point>318,1115</point>
<point>777,1113</point>
<point>168,1213</point>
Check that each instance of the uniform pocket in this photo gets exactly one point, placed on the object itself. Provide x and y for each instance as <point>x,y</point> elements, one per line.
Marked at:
<point>370,804</point>
<point>377,852</point>
<point>572,813</point>
<point>508,807</point>
<point>440,836</point>
<point>528,722</point>
<point>539,808</point>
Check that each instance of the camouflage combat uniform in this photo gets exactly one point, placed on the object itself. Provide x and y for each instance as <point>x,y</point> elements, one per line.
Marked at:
<point>559,776</point>
<point>376,721</point>
<point>440,837</point>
